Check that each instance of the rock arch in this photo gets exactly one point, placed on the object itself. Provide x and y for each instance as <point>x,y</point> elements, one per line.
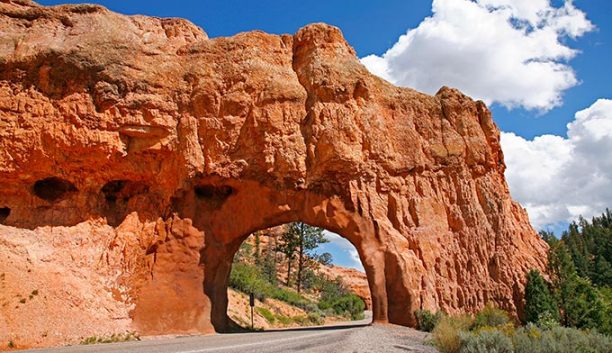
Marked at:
<point>177,146</point>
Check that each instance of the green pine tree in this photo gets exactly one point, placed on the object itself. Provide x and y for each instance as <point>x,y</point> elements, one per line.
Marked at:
<point>585,308</point>
<point>538,300</point>
<point>309,238</point>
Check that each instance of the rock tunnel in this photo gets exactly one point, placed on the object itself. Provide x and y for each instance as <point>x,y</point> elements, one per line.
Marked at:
<point>133,166</point>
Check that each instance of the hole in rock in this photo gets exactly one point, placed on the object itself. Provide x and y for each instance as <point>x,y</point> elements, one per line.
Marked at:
<point>4,213</point>
<point>53,188</point>
<point>213,195</point>
<point>213,192</point>
<point>123,190</point>
<point>300,275</point>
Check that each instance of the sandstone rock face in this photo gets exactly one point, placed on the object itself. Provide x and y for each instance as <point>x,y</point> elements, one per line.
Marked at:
<point>136,154</point>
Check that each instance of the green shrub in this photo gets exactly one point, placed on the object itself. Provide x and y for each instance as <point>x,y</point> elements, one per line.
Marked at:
<point>546,320</point>
<point>266,314</point>
<point>316,318</point>
<point>491,317</point>
<point>284,320</point>
<point>349,305</point>
<point>526,339</point>
<point>531,339</point>
<point>445,335</point>
<point>115,337</point>
<point>584,308</point>
<point>301,320</point>
<point>605,293</point>
<point>426,320</point>
<point>248,279</point>
<point>290,297</point>
<point>486,341</point>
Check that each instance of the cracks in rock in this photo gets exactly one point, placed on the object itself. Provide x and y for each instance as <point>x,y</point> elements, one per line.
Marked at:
<point>306,123</point>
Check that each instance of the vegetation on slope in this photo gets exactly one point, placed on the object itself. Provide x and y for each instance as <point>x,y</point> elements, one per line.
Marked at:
<point>255,270</point>
<point>570,312</point>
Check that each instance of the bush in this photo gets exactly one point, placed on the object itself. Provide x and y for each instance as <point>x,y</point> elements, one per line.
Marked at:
<point>491,317</point>
<point>120,337</point>
<point>266,314</point>
<point>445,335</point>
<point>531,339</point>
<point>486,341</point>
<point>316,318</point>
<point>248,279</point>
<point>349,305</point>
<point>284,320</point>
<point>426,320</point>
<point>546,320</point>
<point>291,297</point>
<point>584,307</point>
<point>489,334</point>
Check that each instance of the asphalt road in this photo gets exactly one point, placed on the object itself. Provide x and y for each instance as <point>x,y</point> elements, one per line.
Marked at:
<point>356,337</point>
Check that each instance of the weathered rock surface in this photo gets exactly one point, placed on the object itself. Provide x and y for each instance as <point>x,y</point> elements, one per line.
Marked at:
<point>136,154</point>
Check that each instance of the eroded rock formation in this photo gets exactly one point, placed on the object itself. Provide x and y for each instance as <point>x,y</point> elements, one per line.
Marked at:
<point>136,154</point>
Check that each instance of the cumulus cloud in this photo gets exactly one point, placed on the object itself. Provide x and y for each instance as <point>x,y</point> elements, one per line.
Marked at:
<point>343,248</point>
<point>560,178</point>
<point>507,51</point>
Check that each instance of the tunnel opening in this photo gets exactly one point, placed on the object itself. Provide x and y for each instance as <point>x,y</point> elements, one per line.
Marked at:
<point>298,276</point>
<point>4,213</point>
<point>53,188</point>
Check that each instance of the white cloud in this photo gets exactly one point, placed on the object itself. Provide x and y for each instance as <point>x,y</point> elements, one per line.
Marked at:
<point>340,244</point>
<point>505,51</point>
<point>558,179</point>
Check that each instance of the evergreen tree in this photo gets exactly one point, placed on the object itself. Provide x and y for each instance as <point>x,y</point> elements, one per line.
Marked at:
<point>538,300</point>
<point>547,236</point>
<point>309,238</point>
<point>289,243</point>
<point>257,252</point>
<point>585,309</point>
<point>580,303</point>
<point>562,274</point>
<point>590,245</point>
<point>268,266</point>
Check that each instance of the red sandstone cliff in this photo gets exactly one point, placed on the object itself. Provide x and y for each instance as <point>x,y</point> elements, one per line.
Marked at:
<point>136,154</point>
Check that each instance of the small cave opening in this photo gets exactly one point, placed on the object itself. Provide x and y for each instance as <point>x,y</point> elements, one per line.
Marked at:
<point>4,213</point>
<point>53,188</point>
<point>112,189</point>
<point>123,190</point>
<point>117,195</point>
<point>213,194</point>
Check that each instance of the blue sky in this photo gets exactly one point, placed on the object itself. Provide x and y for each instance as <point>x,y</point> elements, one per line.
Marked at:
<point>536,62</point>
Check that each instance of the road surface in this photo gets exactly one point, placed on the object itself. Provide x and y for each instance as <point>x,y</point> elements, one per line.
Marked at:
<point>356,337</point>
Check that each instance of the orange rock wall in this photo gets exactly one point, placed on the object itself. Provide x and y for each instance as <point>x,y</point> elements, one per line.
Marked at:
<point>136,154</point>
